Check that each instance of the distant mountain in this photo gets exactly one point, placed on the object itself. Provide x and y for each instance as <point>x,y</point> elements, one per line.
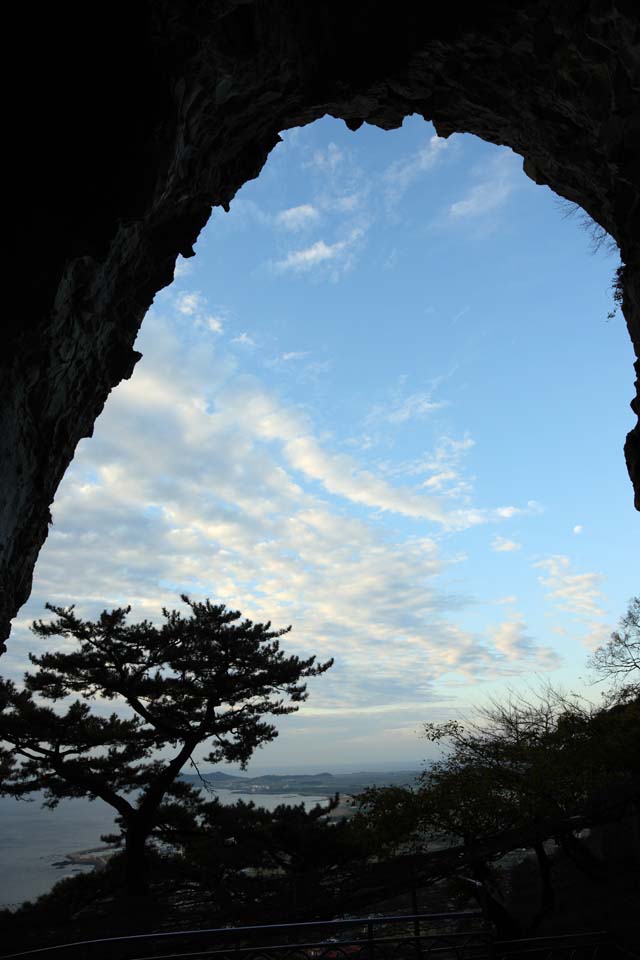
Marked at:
<point>308,784</point>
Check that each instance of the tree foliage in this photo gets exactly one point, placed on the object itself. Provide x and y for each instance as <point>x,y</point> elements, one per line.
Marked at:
<point>531,758</point>
<point>526,770</point>
<point>267,862</point>
<point>202,679</point>
<point>618,660</point>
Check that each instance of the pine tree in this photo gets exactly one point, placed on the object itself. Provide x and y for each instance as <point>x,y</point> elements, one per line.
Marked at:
<point>203,679</point>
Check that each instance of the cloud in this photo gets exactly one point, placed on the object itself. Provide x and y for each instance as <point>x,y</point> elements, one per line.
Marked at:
<point>444,476</point>
<point>300,261</point>
<point>402,173</point>
<point>443,468</point>
<point>297,218</point>
<point>344,204</point>
<point>294,355</point>
<point>310,256</point>
<point>192,303</point>
<point>577,594</point>
<point>214,323</point>
<point>244,339</point>
<point>417,405</point>
<point>326,161</point>
<point>369,710</point>
<point>507,600</point>
<point>496,186</point>
<point>200,480</point>
<point>339,475</point>
<point>512,640</point>
<point>400,406</point>
<point>501,545</point>
<point>578,528</point>
<point>342,476</point>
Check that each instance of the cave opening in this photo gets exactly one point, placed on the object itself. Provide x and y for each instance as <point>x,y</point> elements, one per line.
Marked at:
<point>358,409</point>
<point>140,155</point>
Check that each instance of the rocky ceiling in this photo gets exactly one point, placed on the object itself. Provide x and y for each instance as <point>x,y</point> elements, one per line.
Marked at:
<point>145,115</point>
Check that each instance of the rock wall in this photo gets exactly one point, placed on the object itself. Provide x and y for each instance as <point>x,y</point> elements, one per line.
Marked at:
<point>150,113</point>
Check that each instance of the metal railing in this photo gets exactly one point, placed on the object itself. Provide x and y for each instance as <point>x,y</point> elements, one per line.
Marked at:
<point>576,946</point>
<point>425,936</point>
<point>441,936</point>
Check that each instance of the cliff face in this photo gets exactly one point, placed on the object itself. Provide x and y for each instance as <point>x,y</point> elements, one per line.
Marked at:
<point>150,114</point>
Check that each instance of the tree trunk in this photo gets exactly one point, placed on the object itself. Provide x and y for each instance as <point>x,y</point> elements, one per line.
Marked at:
<point>135,861</point>
<point>495,912</point>
<point>547,898</point>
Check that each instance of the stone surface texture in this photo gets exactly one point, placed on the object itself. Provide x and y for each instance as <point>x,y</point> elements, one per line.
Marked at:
<point>149,114</point>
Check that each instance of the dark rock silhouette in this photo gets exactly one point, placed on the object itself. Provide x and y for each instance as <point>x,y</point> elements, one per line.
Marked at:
<point>147,115</point>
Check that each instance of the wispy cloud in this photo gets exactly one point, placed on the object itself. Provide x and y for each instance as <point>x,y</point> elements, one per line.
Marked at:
<point>502,545</point>
<point>320,252</point>
<point>495,187</point>
<point>402,173</point>
<point>577,594</point>
<point>444,474</point>
<point>416,405</point>
<point>327,160</point>
<point>194,304</point>
<point>294,355</point>
<point>244,339</point>
<point>442,468</point>
<point>190,303</point>
<point>297,218</point>
<point>401,406</point>
<point>512,640</point>
<point>308,257</point>
<point>338,473</point>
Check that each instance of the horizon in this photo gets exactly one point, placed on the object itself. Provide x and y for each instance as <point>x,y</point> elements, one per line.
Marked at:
<point>307,769</point>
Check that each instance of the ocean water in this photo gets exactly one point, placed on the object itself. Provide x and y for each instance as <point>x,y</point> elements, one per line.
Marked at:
<point>33,839</point>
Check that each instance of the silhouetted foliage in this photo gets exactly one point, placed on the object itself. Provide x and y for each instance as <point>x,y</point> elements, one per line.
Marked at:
<point>599,237</point>
<point>524,770</point>
<point>617,291</point>
<point>599,240</point>
<point>201,679</point>
<point>618,660</point>
<point>266,862</point>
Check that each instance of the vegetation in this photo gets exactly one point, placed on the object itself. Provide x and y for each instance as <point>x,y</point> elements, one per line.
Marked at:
<point>206,678</point>
<point>599,239</point>
<point>253,862</point>
<point>528,770</point>
<point>618,661</point>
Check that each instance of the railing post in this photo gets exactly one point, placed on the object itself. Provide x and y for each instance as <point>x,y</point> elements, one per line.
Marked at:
<point>416,921</point>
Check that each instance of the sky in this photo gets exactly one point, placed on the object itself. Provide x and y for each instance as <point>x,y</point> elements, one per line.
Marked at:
<point>384,403</point>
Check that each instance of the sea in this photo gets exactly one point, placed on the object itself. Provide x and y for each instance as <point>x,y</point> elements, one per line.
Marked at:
<point>36,843</point>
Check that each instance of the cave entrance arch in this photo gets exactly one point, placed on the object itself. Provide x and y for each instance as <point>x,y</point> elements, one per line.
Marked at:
<point>170,107</point>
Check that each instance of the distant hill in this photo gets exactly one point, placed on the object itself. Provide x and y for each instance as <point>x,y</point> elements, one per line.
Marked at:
<point>308,784</point>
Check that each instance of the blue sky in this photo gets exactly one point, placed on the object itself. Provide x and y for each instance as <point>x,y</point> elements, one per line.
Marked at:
<point>383,403</point>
